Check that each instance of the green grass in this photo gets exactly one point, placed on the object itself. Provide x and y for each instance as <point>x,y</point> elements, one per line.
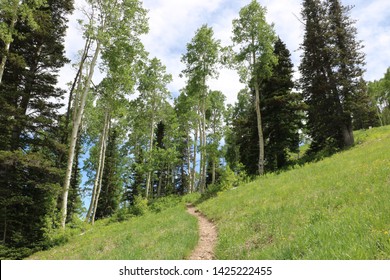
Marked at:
<point>168,235</point>
<point>338,208</point>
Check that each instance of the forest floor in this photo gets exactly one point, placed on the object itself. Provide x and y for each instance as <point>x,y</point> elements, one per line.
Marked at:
<point>207,236</point>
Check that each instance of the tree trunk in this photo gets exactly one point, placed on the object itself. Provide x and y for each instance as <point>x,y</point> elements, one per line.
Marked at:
<point>190,187</point>
<point>204,162</point>
<point>194,158</point>
<point>77,81</point>
<point>99,172</point>
<point>6,48</point>
<point>149,177</point>
<point>213,168</point>
<point>101,164</point>
<point>348,135</point>
<point>201,155</point>
<point>258,115</point>
<point>159,184</point>
<point>260,131</point>
<point>74,135</point>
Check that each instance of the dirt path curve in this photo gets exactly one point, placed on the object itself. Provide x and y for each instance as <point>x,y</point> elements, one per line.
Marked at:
<point>207,236</point>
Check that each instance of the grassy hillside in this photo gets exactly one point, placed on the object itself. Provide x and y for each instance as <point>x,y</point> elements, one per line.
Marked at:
<point>338,208</point>
<point>170,234</point>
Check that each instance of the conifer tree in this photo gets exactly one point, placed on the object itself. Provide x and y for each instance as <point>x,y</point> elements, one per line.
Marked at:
<point>282,110</point>
<point>29,124</point>
<point>332,69</point>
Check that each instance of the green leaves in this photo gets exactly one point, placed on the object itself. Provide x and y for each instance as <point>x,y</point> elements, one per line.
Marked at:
<point>253,40</point>
<point>202,55</point>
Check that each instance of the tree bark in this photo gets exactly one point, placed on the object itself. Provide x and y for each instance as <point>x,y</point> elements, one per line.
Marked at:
<point>7,47</point>
<point>194,157</point>
<point>259,121</point>
<point>74,135</point>
<point>260,131</point>
<point>101,164</point>
<point>149,177</point>
<point>204,161</point>
<point>99,171</point>
<point>348,135</point>
<point>190,187</point>
<point>213,168</point>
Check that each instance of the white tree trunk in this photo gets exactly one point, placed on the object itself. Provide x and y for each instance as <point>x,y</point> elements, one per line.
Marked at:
<point>74,136</point>
<point>190,187</point>
<point>149,176</point>
<point>102,161</point>
<point>6,51</point>
<point>194,158</point>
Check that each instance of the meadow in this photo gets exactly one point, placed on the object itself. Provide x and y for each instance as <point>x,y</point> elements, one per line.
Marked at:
<point>336,209</point>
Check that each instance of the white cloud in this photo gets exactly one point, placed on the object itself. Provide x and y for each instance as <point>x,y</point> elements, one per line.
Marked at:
<point>173,24</point>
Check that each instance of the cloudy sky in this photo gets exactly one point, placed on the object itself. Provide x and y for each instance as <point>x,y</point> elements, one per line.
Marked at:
<point>173,24</point>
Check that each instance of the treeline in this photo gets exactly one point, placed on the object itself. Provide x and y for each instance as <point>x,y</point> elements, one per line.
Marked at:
<point>136,141</point>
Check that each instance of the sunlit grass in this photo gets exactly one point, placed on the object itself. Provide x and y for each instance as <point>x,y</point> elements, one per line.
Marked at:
<point>338,208</point>
<point>170,234</point>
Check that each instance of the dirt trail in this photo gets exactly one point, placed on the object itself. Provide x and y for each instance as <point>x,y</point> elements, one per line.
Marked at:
<point>207,237</point>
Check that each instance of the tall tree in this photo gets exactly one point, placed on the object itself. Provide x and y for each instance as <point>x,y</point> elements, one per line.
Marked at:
<point>201,60</point>
<point>112,186</point>
<point>11,11</point>
<point>255,39</point>
<point>379,92</point>
<point>283,111</point>
<point>188,120</point>
<point>215,116</point>
<point>29,125</point>
<point>332,69</point>
<point>154,94</point>
<point>114,28</point>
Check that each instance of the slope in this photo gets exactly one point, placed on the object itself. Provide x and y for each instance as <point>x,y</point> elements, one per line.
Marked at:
<point>334,209</point>
<point>168,235</point>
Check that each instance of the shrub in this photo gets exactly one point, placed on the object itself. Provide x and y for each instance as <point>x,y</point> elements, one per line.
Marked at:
<point>140,206</point>
<point>163,203</point>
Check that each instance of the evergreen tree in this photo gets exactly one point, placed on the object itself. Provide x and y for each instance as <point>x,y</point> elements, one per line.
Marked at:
<point>363,108</point>
<point>332,69</point>
<point>282,110</point>
<point>29,124</point>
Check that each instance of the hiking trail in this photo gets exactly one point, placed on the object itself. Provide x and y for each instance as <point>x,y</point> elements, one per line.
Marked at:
<point>207,236</point>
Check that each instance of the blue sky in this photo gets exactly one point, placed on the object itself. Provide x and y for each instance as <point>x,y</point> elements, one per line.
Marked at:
<point>173,24</point>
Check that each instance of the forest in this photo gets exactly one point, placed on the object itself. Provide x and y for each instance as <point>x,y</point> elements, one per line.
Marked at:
<point>134,141</point>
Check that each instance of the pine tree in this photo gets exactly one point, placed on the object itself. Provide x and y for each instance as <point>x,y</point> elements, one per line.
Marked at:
<point>30,141</point>
<point>332,69</point>
<point>282,110</point>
